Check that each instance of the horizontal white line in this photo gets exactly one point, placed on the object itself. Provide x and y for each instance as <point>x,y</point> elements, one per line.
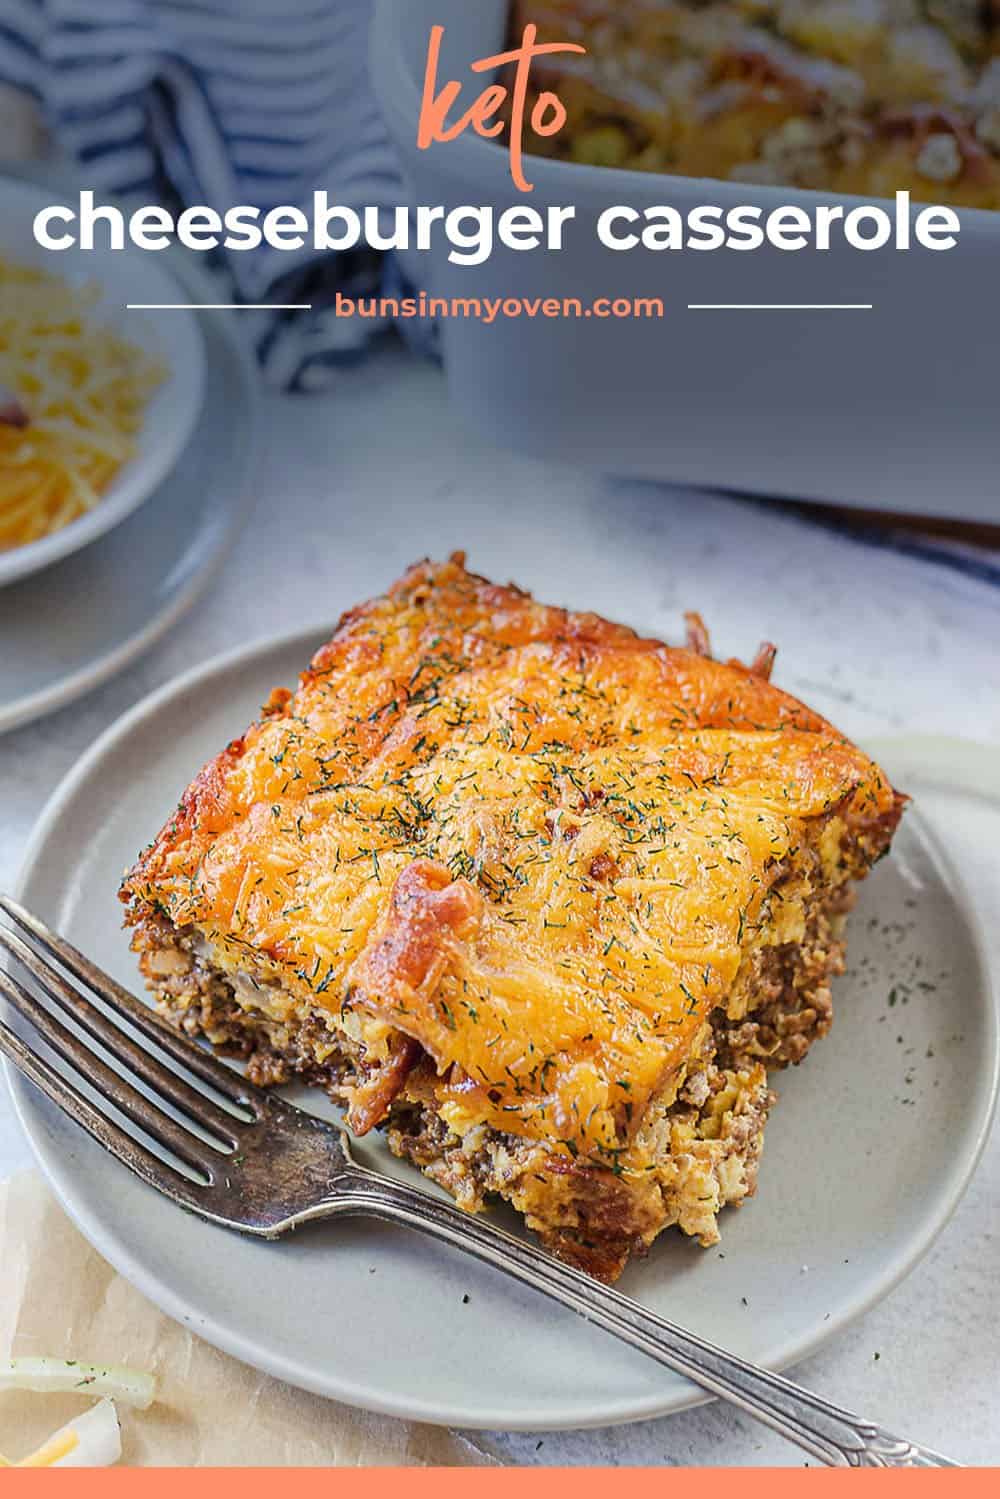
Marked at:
<point>218,306</point>
<point>780,306</point>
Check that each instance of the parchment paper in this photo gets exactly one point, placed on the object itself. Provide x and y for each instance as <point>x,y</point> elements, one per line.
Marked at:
<point>59,1298</point>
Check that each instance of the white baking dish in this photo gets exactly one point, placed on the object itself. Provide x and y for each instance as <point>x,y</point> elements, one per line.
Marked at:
<point>894,408</point>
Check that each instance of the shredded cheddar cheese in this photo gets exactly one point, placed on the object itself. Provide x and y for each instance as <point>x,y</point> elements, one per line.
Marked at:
<point>84,391</point>
<point>56,1448</point>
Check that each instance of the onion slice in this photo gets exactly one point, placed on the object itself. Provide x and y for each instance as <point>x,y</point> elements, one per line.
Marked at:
<point>52,1376</point>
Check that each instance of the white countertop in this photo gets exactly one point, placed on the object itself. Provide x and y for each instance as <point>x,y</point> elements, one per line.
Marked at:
<point>356,485</point>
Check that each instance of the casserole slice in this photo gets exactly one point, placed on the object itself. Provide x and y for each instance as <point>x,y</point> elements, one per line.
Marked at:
<point>541,899</point>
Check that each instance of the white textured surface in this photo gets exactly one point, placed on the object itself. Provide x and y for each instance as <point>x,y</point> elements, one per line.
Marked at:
<point>358,485</point>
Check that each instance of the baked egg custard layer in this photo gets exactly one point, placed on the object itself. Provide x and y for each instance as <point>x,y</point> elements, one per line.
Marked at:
<point>543,900</point>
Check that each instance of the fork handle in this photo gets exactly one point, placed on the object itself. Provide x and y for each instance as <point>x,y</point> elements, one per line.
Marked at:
<point>833,1435</point>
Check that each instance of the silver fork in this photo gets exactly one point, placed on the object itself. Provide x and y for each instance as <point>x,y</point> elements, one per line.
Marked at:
<point>244,1158</point>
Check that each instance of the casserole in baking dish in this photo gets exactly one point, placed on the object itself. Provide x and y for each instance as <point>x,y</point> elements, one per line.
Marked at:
<point>890,408</point>
<point>861,97</point>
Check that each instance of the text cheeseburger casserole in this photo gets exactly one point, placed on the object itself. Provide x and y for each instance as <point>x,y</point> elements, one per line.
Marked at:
<point>543,900</point>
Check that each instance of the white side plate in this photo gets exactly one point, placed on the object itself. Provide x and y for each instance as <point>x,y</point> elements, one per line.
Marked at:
<point>69,628</point>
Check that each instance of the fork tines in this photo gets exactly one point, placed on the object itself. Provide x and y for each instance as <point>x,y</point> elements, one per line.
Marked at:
<point>98,1047</point>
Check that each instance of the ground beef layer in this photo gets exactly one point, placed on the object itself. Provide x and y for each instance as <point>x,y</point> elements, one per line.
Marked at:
<point>691,1156</point>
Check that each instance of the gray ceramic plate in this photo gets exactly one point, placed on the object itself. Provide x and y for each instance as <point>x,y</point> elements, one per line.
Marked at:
<point>69,627</point>
<point>868,1150</point>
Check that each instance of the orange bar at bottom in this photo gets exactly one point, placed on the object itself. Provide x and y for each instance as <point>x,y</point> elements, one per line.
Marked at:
<point>502,1483</point>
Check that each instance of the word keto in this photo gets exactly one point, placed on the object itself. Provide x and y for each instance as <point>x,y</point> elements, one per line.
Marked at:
<point>488,115</point>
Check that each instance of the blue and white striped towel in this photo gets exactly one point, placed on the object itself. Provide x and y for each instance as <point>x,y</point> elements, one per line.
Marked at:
<point>221,102</point>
